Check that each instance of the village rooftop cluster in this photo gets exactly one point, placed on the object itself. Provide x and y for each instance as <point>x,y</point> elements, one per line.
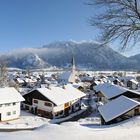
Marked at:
<point>70,95</point>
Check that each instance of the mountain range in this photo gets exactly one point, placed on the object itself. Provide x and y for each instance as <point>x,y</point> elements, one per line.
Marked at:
<point>88,55</point>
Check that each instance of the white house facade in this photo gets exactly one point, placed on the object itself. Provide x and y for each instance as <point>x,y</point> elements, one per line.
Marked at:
<point>10,100</point>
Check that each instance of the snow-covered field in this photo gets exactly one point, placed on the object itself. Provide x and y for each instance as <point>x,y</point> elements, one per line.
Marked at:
<point>26,121</point>
<point>127,130</point>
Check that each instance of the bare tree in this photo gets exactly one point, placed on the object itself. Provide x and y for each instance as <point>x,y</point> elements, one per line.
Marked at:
<point>118,19</point>
<point>3,73</point>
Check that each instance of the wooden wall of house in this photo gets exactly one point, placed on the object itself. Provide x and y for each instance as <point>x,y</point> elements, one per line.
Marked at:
<point>44,114</point>
<point>36,95</point>
<point>99,94</point>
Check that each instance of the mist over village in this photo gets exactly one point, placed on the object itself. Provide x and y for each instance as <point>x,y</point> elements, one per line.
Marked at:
<point>69,69</point>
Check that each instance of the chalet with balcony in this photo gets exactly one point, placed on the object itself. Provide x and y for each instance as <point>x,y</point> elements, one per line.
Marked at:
<point>53,102</point>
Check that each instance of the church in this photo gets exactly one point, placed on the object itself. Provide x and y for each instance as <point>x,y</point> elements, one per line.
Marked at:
<point>68,76</point>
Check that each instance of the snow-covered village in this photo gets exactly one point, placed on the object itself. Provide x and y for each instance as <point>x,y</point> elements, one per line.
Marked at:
<point>69,69</point>
<point>43,102</point>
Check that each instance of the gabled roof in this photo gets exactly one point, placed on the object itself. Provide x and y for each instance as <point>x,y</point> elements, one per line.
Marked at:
<point>134,81</point>
<point>65,75</point>
<point>60,96</point>
<point>126,78</point>
<point>68,76</point>
<point>110,90</point>
<point>117,107</point>
<point>20,80</point>
<point>98,82</point>
<point>9,95</point>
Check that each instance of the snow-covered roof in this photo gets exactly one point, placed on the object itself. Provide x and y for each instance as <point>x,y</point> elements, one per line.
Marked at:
<point>104,80</point>
<point>111,78</point>
<point>98,82</point>
<point>134,81</point>
<point>20,80</point>
<point>77,85</point>
<point>110,90</point>
<point>28,80</point>
<point>9,95</point>
<point>126,78</point>
<point>65,75</point>
<point>86,78</point>
<point>61,95</point>
<point>117,107</point>
<point>117,80</point>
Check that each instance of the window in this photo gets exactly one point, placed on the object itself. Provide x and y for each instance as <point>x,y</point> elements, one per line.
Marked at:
<point>8,113</point>
<point>14,112</point>
<point>77,105</point>
<point>36,101</point>
<point>8,104</point>
<point>0,105</point>
<point>14,103</point>
<point>48,104</point>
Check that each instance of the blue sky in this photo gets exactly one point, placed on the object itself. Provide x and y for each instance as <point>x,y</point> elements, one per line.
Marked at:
<point>33,23</point>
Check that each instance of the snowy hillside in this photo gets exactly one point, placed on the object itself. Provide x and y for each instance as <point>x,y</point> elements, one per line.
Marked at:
<point>90,55</point>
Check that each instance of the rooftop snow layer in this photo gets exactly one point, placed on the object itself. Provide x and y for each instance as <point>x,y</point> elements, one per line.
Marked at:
<point>117,107</point>
<point>134,81</point>
<point>65,75</point>
<point>59,95</point>
<point>110,90</point>
<point>9,95</point>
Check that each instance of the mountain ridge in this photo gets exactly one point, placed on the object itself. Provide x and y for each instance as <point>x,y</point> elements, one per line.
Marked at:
<point>88,54</point>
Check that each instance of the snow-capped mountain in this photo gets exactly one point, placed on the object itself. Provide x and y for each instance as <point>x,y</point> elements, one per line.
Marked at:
<point>87,54</point>
<point>33,61</point>
<point>29,60</point>
<point>90,55</point>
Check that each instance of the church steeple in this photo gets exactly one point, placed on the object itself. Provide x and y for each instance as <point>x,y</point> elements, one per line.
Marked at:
<point>73,65</point>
